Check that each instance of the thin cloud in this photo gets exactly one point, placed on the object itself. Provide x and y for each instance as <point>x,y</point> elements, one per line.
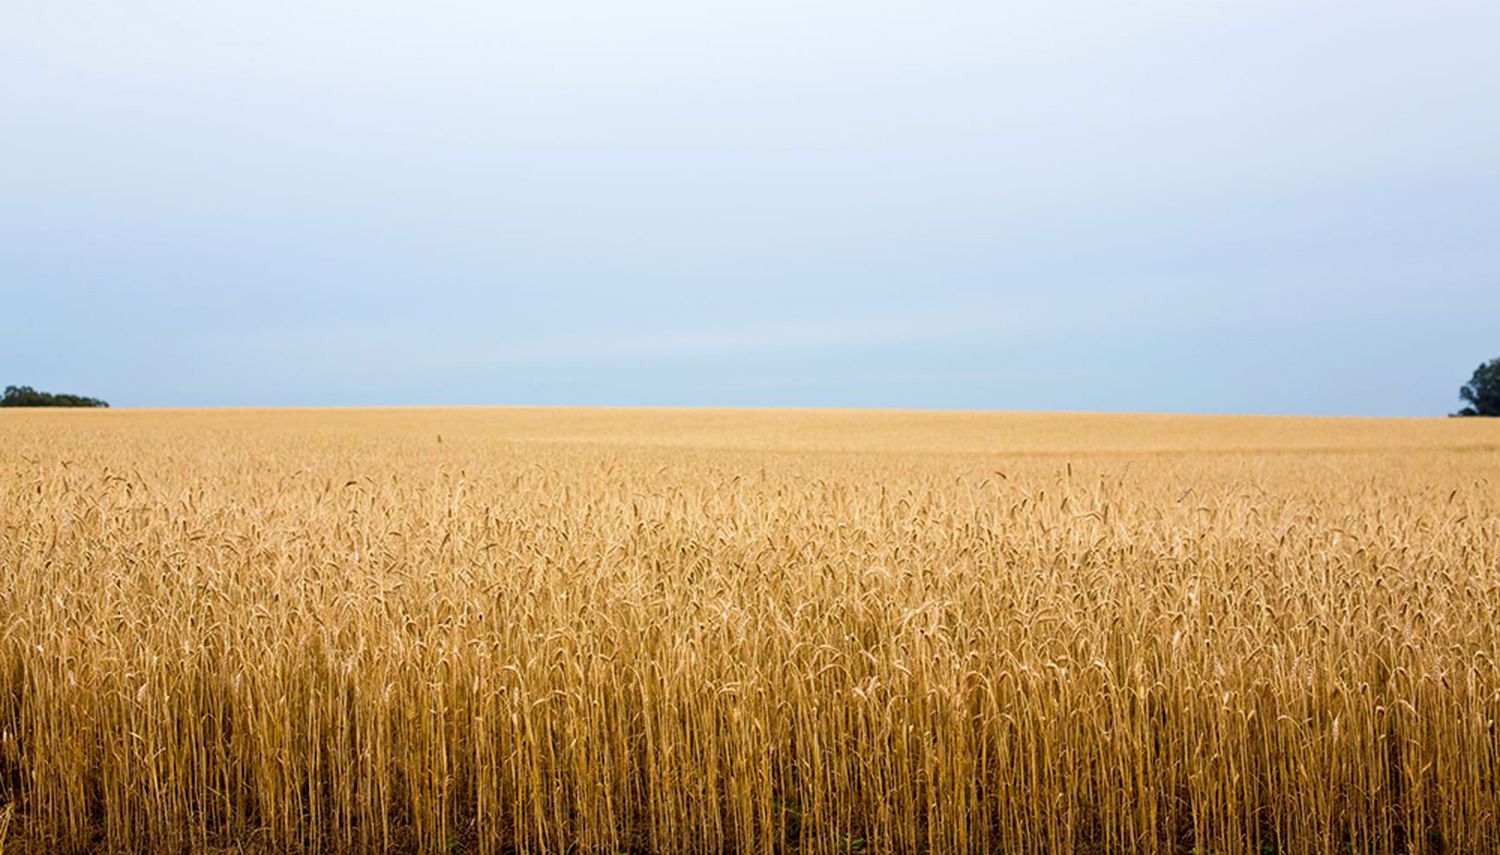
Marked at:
<point>849,332</point>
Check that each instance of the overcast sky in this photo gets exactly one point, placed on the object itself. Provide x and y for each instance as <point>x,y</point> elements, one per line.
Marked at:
<point>1170,205</point>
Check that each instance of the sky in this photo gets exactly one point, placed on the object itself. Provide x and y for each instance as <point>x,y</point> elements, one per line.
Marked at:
<point>1258,206</point>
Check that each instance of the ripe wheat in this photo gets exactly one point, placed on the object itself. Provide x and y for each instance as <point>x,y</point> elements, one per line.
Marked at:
<point>674,631</point>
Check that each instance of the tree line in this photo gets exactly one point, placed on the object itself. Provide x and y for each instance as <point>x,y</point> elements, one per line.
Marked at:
<point>1482,392</point>
<point>25,396</point>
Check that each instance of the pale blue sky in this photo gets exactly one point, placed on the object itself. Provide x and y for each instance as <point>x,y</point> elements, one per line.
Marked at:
<point>1171,205</point>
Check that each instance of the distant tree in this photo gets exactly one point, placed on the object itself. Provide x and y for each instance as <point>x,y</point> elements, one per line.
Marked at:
<point>1482,392</point>
<point>25,396</point>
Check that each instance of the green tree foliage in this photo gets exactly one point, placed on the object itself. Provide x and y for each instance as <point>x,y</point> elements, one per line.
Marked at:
<point>25,396</point>
<point>1482,392</point>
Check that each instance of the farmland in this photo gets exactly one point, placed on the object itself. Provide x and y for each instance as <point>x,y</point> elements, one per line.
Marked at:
<point>663,631</point>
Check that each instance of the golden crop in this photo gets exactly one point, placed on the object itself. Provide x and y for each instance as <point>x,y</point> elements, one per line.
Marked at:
<point>599,631</point>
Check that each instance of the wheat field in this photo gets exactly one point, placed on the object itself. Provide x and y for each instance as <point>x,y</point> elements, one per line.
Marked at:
<point>678,631</point>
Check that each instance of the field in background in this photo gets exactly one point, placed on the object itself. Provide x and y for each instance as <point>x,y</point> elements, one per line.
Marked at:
<point>747,631</point>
